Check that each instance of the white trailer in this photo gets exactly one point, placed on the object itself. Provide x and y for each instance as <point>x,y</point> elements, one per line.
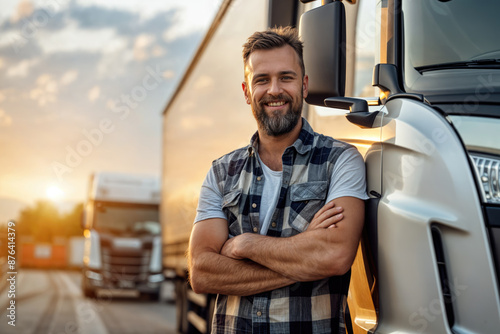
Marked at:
<point>122,234</point>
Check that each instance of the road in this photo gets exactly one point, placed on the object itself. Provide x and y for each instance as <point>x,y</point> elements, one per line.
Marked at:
<point>51,301</point>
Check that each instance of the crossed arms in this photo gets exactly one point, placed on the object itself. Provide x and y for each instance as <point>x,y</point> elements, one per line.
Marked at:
<point>252,263</point>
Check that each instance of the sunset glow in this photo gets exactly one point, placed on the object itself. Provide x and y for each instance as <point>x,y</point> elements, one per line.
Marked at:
<point>54,193</point>
<point>83,87</point>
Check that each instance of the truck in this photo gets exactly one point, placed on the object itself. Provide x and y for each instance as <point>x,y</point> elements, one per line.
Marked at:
<point>415,86</point>
<point>123,247</point>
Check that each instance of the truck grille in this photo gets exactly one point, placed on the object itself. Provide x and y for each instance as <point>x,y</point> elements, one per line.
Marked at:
<point>125,264</point>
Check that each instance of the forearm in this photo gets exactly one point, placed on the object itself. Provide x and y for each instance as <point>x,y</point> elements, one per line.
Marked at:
<point>215,273</point>
<point>212,272</point>
<point>311,255</point>
<point>305,257</point>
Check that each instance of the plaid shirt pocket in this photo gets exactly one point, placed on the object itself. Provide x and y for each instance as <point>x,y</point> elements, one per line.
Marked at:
<point>306,199</point>
<point>231,208</point>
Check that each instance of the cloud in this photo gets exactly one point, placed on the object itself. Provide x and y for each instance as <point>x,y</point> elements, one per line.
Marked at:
<point>22,68</point>
<point>59,66</point>
<point>45,91</point>
<point>141,45</point>
<point>57,28</point>
<point>158,51</point>
<point>26,23</point>
<point>95,18</point>
<point>94,93</point>
<point>79,56</point>
<point>5,120</point>
<point>191,18</point>
<point>69,77</point>
<point>146,47</point>
<point>168,74</point>
<point>72,39</point>
<point>24,9</point>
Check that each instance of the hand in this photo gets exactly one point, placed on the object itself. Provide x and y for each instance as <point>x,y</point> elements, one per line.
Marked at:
<point>327,217</point>
<point>230,247</point>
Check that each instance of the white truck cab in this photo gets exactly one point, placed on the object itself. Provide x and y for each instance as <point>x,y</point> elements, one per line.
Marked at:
<point>122,234</point>
<point>431,142</point>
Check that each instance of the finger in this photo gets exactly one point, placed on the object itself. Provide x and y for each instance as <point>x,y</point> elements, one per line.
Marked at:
<point>337,218</point>
<point>321,220</point>
<point>326,222</point>
<point>332,221</point>
<point>330,213</point>
<point>325,207</point>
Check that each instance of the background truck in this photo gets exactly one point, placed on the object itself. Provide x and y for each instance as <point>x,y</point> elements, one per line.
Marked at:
<point>415,85</point>
<point>122,234</point>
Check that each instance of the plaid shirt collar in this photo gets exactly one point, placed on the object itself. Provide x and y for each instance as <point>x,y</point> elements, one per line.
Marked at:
<point>302,145</point>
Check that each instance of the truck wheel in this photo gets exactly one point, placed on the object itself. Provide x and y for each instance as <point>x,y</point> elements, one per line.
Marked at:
<point>181,303</point>
<point>87,290</point>
<point>154,295</point>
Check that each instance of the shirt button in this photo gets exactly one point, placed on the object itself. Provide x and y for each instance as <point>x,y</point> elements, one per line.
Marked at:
<point>259,313</point>
<point>254,205</point>
<point>255,229</point>
<point>273,224</point>
<point>259,178</point>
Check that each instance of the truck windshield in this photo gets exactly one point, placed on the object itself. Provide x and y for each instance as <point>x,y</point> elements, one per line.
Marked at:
<point>442,34</point>
<point>130,219</point>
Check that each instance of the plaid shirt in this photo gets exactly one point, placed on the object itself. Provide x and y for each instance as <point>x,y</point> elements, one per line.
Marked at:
<point>305,307</point>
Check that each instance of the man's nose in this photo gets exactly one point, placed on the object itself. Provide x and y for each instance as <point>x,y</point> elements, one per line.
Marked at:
<point>274,87</point>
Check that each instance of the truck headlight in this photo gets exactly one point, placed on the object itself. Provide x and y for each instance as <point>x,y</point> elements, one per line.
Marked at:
<point>155,266</point>
<point>156,278</point>
<point>488,168</point>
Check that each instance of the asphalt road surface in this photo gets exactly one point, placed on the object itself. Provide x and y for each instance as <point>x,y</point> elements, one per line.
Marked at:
<point>51,301</point>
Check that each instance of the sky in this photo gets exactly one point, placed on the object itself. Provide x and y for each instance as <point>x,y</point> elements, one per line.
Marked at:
<point>83,84</point>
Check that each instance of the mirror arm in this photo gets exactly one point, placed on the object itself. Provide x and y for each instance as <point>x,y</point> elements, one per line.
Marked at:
<point>350,103</point>
<point>359,113</point>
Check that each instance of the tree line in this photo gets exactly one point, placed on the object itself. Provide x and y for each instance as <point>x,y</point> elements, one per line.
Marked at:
<point>43,222</point>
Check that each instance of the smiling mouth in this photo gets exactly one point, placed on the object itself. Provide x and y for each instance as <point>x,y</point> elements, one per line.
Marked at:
<point>276,104</point>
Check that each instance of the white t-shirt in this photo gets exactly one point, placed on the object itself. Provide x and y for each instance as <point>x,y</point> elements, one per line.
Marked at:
<point>347,179</point>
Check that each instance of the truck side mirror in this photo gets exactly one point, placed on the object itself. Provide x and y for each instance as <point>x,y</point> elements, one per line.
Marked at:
<point>323,31</point>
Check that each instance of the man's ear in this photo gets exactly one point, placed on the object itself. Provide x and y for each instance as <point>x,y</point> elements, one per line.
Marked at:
<point>245,91</point>
<point>305,86</point>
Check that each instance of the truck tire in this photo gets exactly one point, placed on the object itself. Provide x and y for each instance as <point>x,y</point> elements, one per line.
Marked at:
<point>155,295</point>
<point>87,290</point>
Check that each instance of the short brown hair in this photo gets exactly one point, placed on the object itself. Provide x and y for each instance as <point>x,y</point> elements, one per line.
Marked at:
<point>274,38</point>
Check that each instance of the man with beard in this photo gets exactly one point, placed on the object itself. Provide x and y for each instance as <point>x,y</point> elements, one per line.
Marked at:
<point>279,221</point>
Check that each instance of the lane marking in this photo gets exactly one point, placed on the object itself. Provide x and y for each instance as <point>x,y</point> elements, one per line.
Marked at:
<point>48,315</point>
<point>87,311</point>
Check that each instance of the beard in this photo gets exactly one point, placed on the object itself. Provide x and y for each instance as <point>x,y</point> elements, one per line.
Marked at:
<point>277,123</point>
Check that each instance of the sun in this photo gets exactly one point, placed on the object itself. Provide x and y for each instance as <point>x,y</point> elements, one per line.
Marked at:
<point>54,193</point>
